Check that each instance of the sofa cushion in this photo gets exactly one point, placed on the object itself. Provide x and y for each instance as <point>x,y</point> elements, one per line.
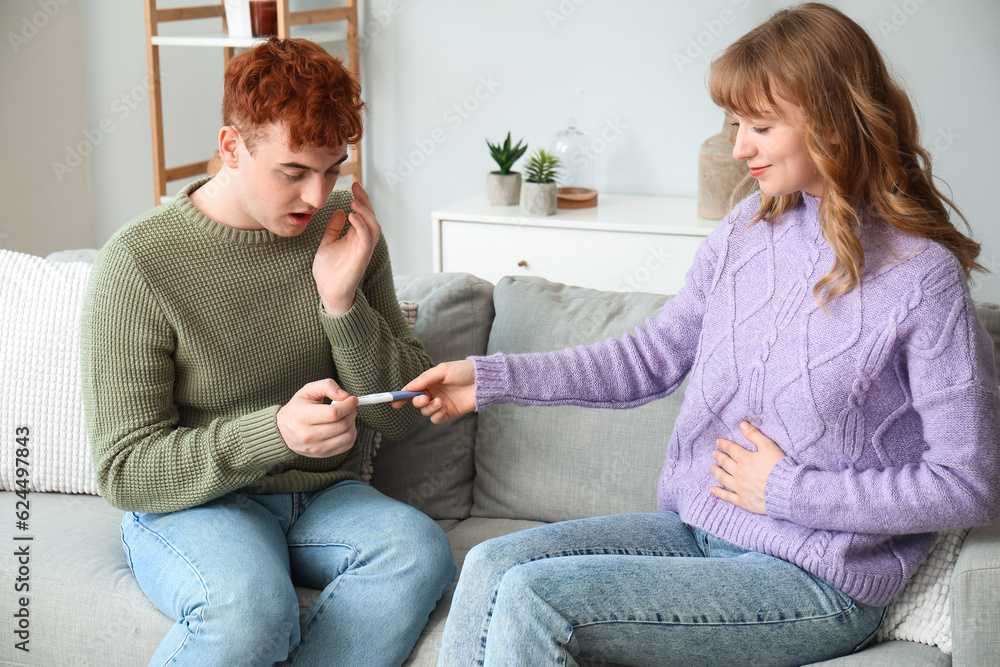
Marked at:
<point>85,606</point>
<point>40,386</point>
<point>989,315</point>
<point>567,462</point>
<point>431,468</point>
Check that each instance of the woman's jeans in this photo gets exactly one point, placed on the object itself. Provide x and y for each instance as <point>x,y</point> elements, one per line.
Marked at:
<point>642,589</point>
<point>226,572</point>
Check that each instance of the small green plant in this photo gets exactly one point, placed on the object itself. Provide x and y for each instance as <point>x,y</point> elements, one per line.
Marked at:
<point>505,154</point>
<point>542,167</point>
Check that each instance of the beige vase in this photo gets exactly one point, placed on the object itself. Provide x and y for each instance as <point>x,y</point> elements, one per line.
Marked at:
<point>721,181</point>
<point>539,199</point>
<point>503,189</point>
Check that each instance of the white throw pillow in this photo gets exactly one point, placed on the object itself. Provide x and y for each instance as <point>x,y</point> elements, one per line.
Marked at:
<point>921,612</point>
<point>40,389</point>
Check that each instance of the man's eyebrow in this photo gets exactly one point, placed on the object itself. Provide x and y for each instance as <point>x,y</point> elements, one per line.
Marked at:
<point>296,165</point>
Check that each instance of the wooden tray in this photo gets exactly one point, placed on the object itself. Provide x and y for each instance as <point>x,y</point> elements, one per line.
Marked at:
<point>576,197</point>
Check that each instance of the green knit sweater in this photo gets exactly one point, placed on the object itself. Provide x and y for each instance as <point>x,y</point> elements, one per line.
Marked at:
<point>194,334</point>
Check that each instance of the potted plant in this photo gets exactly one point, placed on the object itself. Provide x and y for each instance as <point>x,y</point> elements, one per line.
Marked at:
<point>503,187</point>
<point>540,196</point>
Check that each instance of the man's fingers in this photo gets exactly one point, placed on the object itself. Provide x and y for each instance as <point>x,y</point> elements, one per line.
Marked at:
<point>316,391</point>
<point>361,195</point>
<point>335,227</point>
<point>328,441</point>
<point>363,222</point>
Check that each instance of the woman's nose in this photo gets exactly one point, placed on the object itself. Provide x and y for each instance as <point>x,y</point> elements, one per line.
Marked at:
<point>743,147</point>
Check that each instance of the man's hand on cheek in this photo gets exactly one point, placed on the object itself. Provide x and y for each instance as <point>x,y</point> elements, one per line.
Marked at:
<point>341,261</point>
<point>315,429</point>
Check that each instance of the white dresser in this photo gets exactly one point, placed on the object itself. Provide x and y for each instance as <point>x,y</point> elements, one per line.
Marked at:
<point>625,243</point>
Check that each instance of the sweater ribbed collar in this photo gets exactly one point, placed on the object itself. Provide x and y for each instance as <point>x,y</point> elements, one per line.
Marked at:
<point>216,230</point>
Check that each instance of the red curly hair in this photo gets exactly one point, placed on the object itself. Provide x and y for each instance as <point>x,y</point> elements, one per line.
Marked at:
<point>295,83</point>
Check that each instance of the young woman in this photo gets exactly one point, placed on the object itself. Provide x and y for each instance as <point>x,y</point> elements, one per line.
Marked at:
<point>842,403</point>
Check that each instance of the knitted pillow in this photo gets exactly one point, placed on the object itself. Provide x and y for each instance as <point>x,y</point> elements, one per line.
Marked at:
<point>921,612</point>
<point>40,388</point>
<point>41,301</point>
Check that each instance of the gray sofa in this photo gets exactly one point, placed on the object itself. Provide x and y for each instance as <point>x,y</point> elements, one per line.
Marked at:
<point>480,476</point>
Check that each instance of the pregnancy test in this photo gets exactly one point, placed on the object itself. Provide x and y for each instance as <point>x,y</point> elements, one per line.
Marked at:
<point>385,397</point>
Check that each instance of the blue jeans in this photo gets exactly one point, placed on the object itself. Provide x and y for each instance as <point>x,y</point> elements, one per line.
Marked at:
<point>226,571</point>
<point>642,589</point>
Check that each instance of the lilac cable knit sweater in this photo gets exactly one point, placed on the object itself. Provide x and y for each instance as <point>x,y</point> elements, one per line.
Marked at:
<point>887,406</point>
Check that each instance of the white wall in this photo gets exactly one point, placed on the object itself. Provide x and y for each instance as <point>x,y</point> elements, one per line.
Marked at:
<point>46,203</point>
<point>519,66</point>
<point>642,67</point>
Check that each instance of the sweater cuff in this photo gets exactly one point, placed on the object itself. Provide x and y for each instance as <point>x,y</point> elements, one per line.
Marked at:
<point>777,490</point>
<point>353,327</point>
<point>262,440</point>
<point>492,380</point>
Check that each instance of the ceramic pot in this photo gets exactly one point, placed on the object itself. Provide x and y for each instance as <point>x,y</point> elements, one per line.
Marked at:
<point>503,189</point>
<point>721,183</point>
<point>539,198</point>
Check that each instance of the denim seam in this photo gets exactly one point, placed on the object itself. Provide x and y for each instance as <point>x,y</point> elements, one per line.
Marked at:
<point>204,587</point>
<point>325,595</point>
<point>710,624</point>
<point>128,551</point>
<point>590,551</point>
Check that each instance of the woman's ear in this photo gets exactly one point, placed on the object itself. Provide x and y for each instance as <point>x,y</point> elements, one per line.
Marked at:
<point>229,144</point>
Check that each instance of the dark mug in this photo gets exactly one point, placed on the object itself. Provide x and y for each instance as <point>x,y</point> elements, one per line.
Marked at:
<point>264,17</point>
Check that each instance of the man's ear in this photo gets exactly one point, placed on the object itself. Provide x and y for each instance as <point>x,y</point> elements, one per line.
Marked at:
<point>229,143</point>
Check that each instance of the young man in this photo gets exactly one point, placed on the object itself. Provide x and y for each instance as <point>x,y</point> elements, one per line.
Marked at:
<point>215,328</point>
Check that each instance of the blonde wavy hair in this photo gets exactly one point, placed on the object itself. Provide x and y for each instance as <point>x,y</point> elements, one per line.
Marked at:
<point>861,132</point>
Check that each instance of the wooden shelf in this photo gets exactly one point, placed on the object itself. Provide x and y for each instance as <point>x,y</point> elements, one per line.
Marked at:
<point>221,38</point>
<point>312,24</point>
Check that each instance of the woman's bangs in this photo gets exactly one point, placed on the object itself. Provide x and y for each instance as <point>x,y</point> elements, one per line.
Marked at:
<point>740,85</point>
